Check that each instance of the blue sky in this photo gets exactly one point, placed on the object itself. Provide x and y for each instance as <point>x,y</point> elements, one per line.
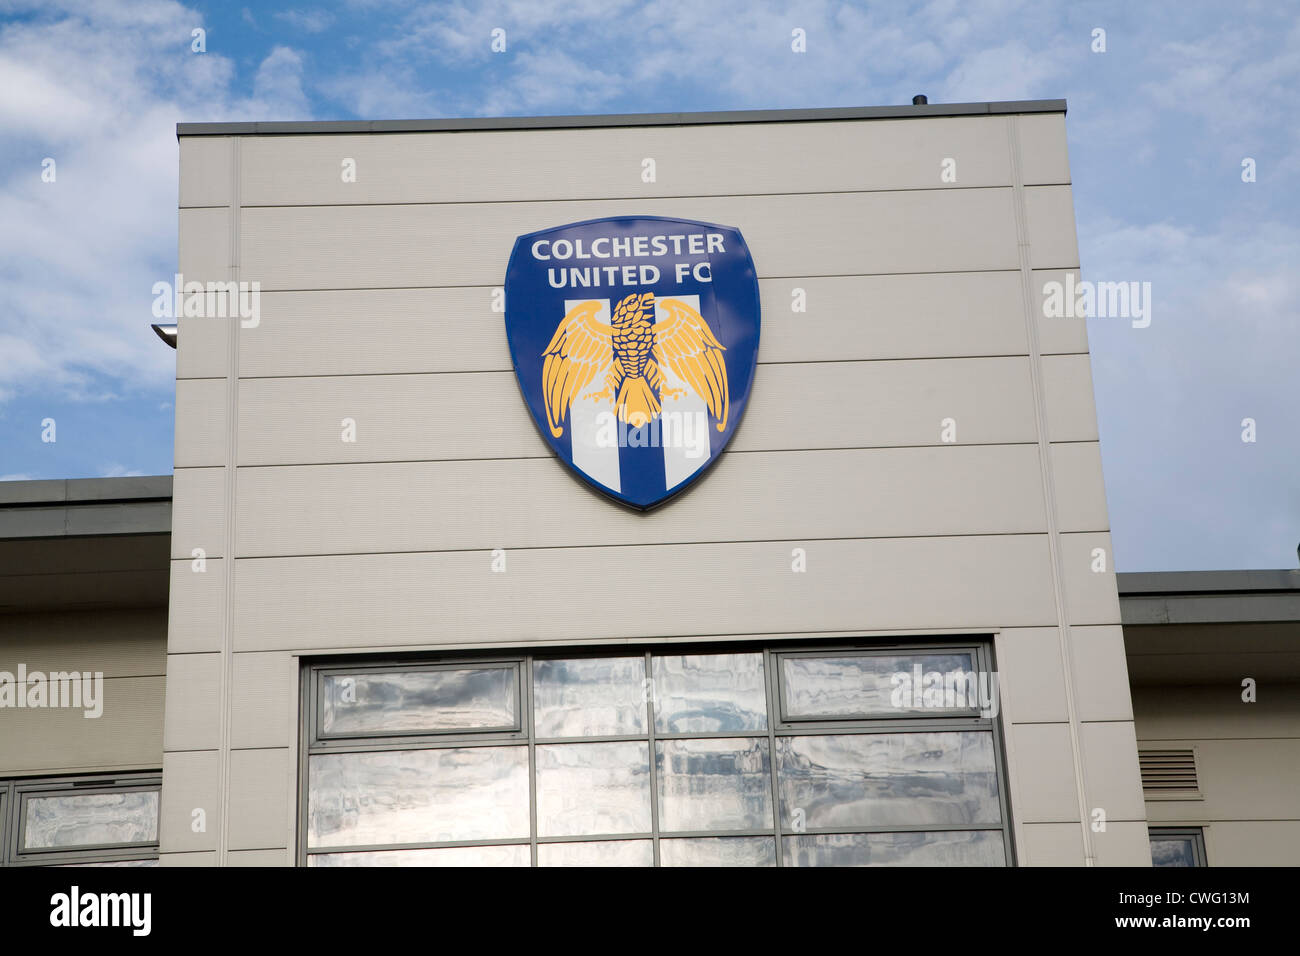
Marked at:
<point>1158,127</point>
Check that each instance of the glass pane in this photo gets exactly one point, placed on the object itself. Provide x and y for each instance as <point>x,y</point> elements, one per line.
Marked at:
<point>865,780</point>
<point>589,697</point>
<point>861,685</point>
<point>719,783</point>
<point>593,788</point>
<point>599,853</point>
<point>954,848</point>
<point>516,855</point>
<point>91,819</point>
<point>414,796</point>
<point>709,693</point>
<point>718,851</point>
<point>472,698</point>
<point>1172,851</point>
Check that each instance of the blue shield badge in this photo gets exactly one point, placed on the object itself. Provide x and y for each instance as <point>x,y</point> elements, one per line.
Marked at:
<point>635,341</point>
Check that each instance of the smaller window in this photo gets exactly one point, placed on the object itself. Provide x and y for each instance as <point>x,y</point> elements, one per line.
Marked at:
<point>867,684</point>
<point>425,700</point>
<point>1177,846</point>
<point>81,821</point>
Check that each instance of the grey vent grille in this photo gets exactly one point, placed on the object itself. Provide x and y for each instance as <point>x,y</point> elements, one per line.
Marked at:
<point>1168,771</point>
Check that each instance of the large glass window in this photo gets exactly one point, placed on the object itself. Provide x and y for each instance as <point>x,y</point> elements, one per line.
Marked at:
<point>786,755</point>
<point>80,821</point>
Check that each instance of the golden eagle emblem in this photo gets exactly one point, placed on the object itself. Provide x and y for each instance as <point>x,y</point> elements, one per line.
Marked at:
<point>630,356</point>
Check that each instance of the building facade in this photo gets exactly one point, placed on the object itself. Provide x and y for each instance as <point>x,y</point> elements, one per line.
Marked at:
<point>884,627</point>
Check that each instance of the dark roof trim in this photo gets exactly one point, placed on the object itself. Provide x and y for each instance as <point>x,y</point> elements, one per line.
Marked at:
<point>1151,583</point>
<point>1208,597</point>
<point>85,507</point>
<point>84,490</point>
<point>619,119</point>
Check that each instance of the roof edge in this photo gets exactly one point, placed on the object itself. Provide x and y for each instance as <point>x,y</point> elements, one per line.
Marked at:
<point>84,491</point>
<point>468,124</point>
<point>1153,583</point>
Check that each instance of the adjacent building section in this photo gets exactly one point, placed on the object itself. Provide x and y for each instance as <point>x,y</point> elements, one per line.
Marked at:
<point>83,660</point>
<point>1214,658</point>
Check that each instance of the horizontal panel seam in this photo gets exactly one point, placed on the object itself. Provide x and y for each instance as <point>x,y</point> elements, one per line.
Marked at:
<point>761,278</point>
<point>642,544</point>
<point>733,451</point>
<point>669,197</point>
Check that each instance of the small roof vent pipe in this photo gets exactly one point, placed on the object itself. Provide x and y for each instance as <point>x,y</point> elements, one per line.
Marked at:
<point>919,100</point>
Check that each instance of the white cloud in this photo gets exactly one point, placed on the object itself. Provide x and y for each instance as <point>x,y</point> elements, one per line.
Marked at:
<point>99,87</point>
<point>589,55</point>
<point>277,87</point>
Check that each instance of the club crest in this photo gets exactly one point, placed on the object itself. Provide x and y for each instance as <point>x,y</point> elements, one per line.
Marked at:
<point>635,341</point>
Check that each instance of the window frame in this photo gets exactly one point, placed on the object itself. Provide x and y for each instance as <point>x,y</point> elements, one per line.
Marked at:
<point>786,719</point>
<point>343,670</point>
<point>16,792</point>
<point>311,743</point>
<point>1195,834</point>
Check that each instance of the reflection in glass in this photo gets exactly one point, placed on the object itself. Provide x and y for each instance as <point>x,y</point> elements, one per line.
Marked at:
<point>866,685</point>
<point>719,783</point>
<point>90,819</point>
<point>1172,851</point>
<point>472,698</point>
<point>593,788</point>
<point>951,848</point>
<point>516,855</point>
<point>414,796</point>
<point>589,697</point>
<point>865,780</point>
<point>709,693</point>
<point>599,853</point>
<point>718,851</point>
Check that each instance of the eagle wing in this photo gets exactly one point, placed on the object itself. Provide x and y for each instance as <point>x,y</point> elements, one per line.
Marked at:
<point>581,349</point>
<point>685,344</point>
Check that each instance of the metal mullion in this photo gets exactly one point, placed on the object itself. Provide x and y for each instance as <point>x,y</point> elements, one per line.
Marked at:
<point>425,664</point>
<point>87,784</point>
<point>396,735</point>
<point>874,650</point>
<point>904,828</point>
<point>423,845</point>
<point>652,705</point>
<point>529,725</point>
<point>78,855</point>
<point>899,726</point>
<point>34,853</point>
<point>748,833</point>
<point>359,746</point>
<point>907,715</point>
<point>985,657</point>
<point>634,738</point>
<point>770,676</point>
<point>710,735</point>
<point>595,838</point>
<point>307,727</point>
<point>6,804</point>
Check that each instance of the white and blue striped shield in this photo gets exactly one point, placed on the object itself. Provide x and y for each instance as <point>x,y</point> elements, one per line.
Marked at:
<point>635,341</point>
